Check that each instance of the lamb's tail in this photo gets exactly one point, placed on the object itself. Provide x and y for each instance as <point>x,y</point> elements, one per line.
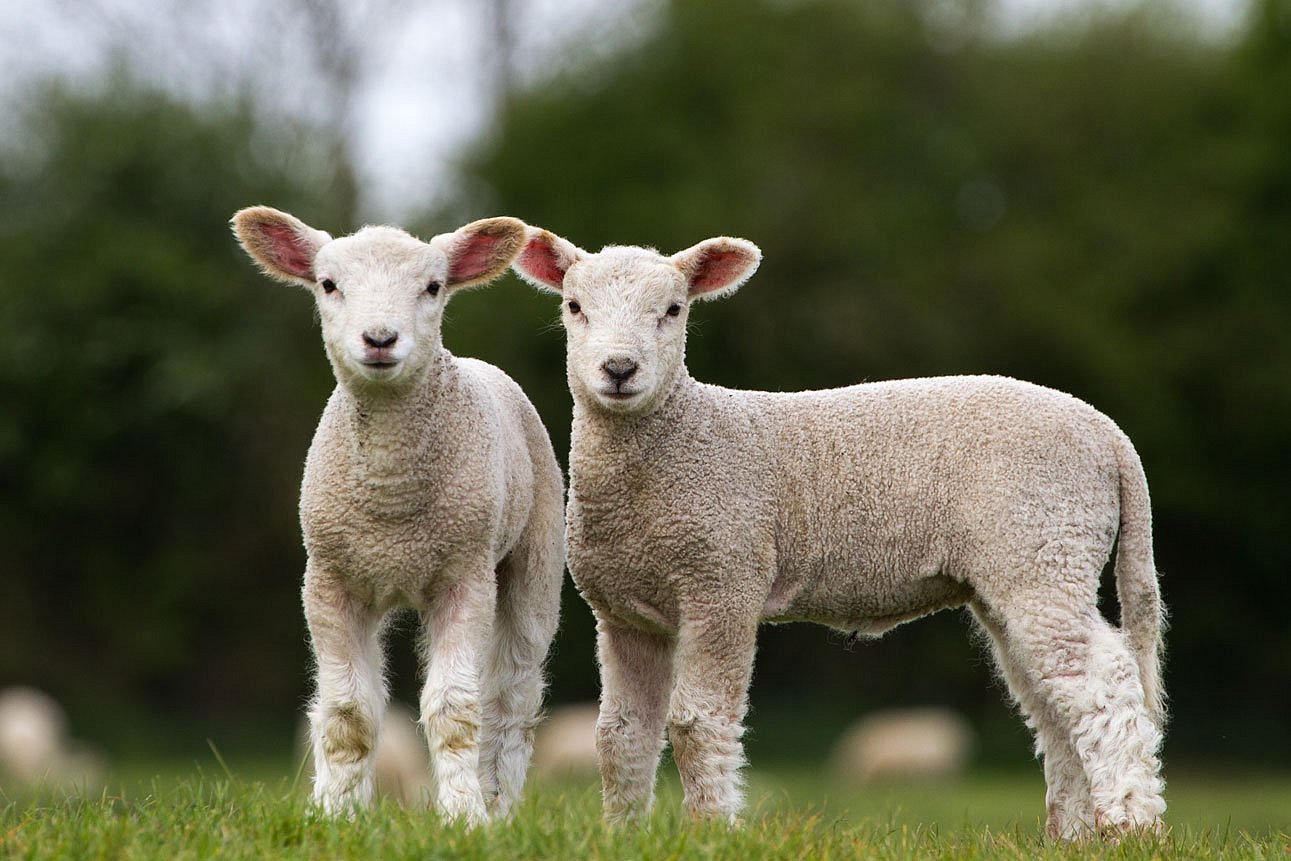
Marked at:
<point>1143,615</point>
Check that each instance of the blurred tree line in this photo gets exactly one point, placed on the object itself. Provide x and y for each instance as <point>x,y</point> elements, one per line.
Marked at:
<point>157,401</point>
<point>1104,208</point>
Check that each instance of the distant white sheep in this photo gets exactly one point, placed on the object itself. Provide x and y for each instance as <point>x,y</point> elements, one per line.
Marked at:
<point>430,483</point>
<point>35,748</point>
<point>903,744</point>
<point>696,512</point>
<point>565,745</point>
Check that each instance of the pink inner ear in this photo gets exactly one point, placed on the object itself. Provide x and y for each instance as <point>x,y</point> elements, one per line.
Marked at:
<point>539,259</point>
<point>718,269</point>
<point>289,251</point>
<point>474,257</point>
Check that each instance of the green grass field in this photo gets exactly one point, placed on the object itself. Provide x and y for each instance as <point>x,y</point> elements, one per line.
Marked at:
<point>208,812</point>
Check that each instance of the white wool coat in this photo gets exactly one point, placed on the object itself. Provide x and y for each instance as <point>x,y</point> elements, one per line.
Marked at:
<point>396,492</point>
<point>861,507</point>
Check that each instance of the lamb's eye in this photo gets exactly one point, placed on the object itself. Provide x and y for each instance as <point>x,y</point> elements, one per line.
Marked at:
<point>433,288</point>
<point>574,307</point>
<point>328,285</point>
<point>674,309</point>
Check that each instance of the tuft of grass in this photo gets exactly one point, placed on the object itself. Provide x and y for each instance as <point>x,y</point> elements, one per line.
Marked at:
<point>792,816</point>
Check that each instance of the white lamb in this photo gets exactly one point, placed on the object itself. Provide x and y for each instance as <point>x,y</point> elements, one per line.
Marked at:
<point>697,512</point>
<point>35,749</point>
<point>431,483</point>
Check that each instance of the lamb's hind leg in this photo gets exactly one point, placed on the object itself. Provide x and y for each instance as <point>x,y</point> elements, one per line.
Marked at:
<point>346,713</point>
<point>528,609</point>
<point>1069,809</point>
<point>457,630</point>
<point>636,675</point>
<point>1087,680</point>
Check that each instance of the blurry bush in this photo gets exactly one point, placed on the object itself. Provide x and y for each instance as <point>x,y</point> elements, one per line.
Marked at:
<point>158,397</point>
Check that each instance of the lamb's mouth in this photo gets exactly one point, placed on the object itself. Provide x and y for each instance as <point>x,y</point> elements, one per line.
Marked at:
<point>381,365</point>
<point>620,395</point>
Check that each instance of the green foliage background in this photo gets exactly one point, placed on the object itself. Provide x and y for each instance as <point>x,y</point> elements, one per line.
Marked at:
<point>1103,208</point>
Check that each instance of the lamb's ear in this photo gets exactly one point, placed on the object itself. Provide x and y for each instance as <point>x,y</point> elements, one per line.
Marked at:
<point>718,266</point>
<point>282,244</point>
<point>546,258</point>
<point>482,250</point>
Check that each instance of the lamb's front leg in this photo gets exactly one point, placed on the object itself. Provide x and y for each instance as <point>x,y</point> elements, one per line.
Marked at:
<point>346,714</point>
<point>458,627</point>
<point>636,675</point>
<point>706,714</point>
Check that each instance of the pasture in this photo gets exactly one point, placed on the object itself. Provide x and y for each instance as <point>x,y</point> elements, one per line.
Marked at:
<point>241,810</point>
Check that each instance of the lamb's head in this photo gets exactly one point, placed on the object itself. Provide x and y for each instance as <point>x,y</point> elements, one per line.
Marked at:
<point>380,292</point>
<point>625,310</point>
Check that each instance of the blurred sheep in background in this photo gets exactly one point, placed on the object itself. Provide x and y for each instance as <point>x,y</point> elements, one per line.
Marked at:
<point>565,745</point>
<point>903,744</point>
<point>34,747</point>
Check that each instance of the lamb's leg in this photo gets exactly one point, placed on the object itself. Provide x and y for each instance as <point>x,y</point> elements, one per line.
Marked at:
<point>706,713</point>
<point>1088,682</point>
<point>636,675</point>
<point>346,713</point>
<point>527,613</point>
<point>457,630</point>
<point>1069,809</point>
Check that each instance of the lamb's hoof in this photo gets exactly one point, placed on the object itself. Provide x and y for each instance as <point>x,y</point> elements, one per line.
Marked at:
<point>717,816</point>
<point>498,807</point>
<point>622,818</point>
<point>1067,823</point>
<point>338,807</point>
<point>1068,831</point>
<point>1111,829</point>
<point>470,812</point>
<point>616,813</point>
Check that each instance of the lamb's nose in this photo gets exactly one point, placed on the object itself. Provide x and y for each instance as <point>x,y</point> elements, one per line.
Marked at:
<point>619,368</point>
<point>380,338</point>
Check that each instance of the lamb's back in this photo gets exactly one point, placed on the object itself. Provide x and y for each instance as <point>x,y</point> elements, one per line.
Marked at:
<point>885,487</point>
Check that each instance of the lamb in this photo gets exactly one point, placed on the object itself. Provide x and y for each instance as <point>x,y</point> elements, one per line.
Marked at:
<point>35,749</point>
<point>928,743</point>
<point>430,483</point>
<point>696,512</point>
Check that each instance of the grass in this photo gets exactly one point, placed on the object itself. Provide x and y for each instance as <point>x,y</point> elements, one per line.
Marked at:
<point>792,815</point>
